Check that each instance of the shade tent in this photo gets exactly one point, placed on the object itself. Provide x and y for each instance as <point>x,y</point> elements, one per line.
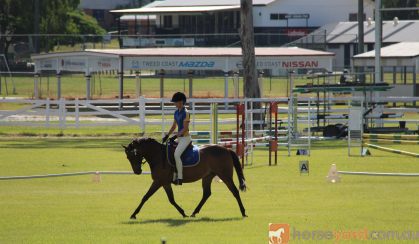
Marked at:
<point>187,59</point>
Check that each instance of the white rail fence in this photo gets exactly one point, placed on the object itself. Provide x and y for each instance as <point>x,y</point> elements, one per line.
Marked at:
<point>151,111</point>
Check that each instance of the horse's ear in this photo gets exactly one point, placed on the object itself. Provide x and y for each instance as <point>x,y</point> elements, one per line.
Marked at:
<point>124,147</point>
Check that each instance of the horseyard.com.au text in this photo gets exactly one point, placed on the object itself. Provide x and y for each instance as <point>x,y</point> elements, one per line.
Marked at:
<point>283,233</point>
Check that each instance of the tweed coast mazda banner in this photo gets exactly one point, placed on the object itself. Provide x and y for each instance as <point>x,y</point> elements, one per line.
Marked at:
<point>170,63</point>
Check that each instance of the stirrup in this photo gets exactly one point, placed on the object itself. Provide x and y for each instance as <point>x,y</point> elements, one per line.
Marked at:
<point>178,182</point>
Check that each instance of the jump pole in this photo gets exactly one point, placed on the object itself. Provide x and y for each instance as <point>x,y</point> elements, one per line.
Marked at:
<point>392,137</point>
<point>391,141</point>
<point>240,146</point>
<point>273,144</point>
<point>378,174</point>
<point>392,150</point>
<point>214,129</point>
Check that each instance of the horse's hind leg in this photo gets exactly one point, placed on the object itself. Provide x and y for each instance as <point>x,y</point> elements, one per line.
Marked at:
<point>153,188</point>
<point>232,187</point>
<point>206,187</point>
<point>169,192</point>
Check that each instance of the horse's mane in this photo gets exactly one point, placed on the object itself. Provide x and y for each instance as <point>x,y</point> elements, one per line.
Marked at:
<point>139,141</point>
<point>144,140</point>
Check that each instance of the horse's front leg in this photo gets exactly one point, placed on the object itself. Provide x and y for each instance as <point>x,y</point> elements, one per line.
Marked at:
<point>169,192</point>
<point>153,188</point>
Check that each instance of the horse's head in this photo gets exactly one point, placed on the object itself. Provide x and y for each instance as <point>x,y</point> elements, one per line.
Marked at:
<point>135,155</point>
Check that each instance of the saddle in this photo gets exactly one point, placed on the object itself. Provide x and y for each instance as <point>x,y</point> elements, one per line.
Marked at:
<point>190,157</point>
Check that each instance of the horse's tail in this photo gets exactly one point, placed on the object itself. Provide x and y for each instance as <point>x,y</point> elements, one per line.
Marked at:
<point>239,170</point>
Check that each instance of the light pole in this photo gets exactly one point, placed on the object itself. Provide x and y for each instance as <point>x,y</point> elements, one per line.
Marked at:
<point>378,29</point>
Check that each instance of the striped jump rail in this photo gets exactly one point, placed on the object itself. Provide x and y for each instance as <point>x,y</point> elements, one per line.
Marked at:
<point>378,174</point>
<point>391,137</point>
<point>386,149</point>
<point>388,141</point>
<point>26,177</point>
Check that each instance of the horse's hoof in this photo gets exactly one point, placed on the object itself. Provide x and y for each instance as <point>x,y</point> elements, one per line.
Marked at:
<point>185,216</point>
<point>193,216</point>
<point>132,217</point>
<point>245,216</point>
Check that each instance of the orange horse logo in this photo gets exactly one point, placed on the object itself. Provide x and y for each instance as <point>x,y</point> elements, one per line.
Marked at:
<point>279,233</point>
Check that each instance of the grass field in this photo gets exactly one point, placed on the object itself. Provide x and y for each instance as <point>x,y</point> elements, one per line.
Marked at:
<point>77,210</point>
<point>107,86</point>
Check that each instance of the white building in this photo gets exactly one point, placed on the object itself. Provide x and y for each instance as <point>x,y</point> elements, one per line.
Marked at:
<point>342,38</point>
<point>99,9</point>
<point>276,22</point>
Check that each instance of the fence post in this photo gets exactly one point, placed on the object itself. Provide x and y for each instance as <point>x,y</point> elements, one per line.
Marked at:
<point>76,103</point>
<point>138,84</point>
<point>61,112</point>
<point>142,109</point>
<point>36,86</point>
<point>161,83</point>
<point>58,85</point>
<point>225,84</point>
<point>47,112</point>
<point>193,114</point>
<point>88,87</point>
<point>214,127</point>
<point>190,76</point>
<point>163,118</point>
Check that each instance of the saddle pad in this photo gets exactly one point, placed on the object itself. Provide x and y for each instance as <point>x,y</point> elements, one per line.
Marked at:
<point>190,156</point>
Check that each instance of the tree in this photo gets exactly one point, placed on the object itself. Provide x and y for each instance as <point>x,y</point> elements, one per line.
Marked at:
<point>402,15</point>
<point>13,20</point>
<point>57,17</point>
<point>250,74</point>
<point>251,85</point>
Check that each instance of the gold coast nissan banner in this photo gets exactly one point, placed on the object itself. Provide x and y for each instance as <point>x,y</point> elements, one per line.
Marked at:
<point>278,63</point>
<point>226,63</point>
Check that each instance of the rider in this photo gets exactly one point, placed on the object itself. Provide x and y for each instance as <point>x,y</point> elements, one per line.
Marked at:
<point>181,120</point>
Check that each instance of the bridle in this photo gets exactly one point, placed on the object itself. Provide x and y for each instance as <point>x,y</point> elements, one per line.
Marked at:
<point>143,160</point>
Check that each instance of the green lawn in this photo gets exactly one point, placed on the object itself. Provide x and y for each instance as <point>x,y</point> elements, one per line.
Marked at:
<point>107,86</point>
<point>77,210</point>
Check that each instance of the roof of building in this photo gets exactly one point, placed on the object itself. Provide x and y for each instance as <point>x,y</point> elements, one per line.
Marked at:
<point>185,6</point>
<point>177,3</point>
<point>347,32</point>
<point>226,59</point>
<point>190,52</point>
<point>156,10</point>
<point>399,50</point>
<point>200,52</point>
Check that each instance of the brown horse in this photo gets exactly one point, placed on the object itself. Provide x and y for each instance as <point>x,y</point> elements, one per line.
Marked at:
<point>214,160</point>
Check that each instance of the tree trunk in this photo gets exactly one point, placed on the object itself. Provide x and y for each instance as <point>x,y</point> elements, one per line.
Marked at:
<point>250,75</point>
<point>251,86</point>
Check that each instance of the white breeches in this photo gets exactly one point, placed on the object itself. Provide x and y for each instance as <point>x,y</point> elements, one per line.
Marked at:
<point>183,143</point>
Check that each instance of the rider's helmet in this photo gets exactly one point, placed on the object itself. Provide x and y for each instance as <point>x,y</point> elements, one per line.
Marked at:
<point>179,96</point>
